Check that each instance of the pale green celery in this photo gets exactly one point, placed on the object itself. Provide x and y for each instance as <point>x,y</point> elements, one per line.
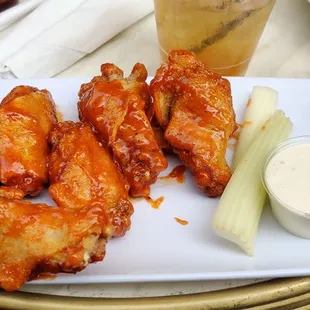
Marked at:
<point>260,107</point>
<point>238,213</point>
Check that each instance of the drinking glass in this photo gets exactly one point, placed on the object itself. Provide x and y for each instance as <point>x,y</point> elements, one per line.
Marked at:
<point>222,33</point>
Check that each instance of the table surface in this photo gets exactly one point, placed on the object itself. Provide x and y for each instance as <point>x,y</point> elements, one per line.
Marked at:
<point>283,51</point>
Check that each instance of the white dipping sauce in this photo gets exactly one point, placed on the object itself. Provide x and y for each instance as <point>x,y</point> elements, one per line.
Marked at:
<point>288,176</point>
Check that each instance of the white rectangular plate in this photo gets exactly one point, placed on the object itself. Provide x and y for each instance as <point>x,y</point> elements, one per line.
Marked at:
<point>157,248</point>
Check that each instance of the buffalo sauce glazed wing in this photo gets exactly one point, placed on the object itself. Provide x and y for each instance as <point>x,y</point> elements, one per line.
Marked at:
<point>115,107</point>
<point>194,108</point>
<point>27,115</point>
<point>36,239</point>
<point>83,173</point>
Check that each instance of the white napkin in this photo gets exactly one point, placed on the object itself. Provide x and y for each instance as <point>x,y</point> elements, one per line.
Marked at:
<point>13,14</point>
<point>60,32</point>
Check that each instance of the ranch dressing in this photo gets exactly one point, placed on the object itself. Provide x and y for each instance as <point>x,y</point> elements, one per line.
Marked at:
<point>287,176</point>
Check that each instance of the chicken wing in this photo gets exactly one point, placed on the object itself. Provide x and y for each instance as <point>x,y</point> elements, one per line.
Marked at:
<point>37,239</point>
<point>26,118</point>
<point>115,106</point>
<point>194,107</point>
<point>82,172</point>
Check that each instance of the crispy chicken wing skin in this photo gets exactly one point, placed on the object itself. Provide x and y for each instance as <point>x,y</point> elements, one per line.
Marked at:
<point>37,239</point>
<point>11,193</point>
<point>83,172</point>
<point>158,131</point>
<point>194,107</point>
<point>26,118</point>
<point>115,106</point>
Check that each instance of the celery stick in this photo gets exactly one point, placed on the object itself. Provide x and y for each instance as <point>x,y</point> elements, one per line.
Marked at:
<point>260,108</point>
<point>237,215</point>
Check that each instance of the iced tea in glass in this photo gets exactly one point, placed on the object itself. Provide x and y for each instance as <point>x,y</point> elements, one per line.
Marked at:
<point>222,33</point>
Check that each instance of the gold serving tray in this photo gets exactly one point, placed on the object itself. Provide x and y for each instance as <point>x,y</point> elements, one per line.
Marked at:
<point>289,293</point>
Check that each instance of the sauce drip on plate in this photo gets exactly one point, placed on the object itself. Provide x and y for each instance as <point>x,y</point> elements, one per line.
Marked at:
<point>177,173</point>
<point>154,203</point>
<point>180,221</point>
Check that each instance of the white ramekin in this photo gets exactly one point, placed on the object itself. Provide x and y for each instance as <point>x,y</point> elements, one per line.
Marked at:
<point>291,219</point>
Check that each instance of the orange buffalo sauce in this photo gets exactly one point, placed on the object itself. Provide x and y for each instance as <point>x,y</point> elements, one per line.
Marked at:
<point>235,135</point>
<point>180,221</point>
<point>246,123</point>
<point>177,173</point>
<point>155,203</point>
